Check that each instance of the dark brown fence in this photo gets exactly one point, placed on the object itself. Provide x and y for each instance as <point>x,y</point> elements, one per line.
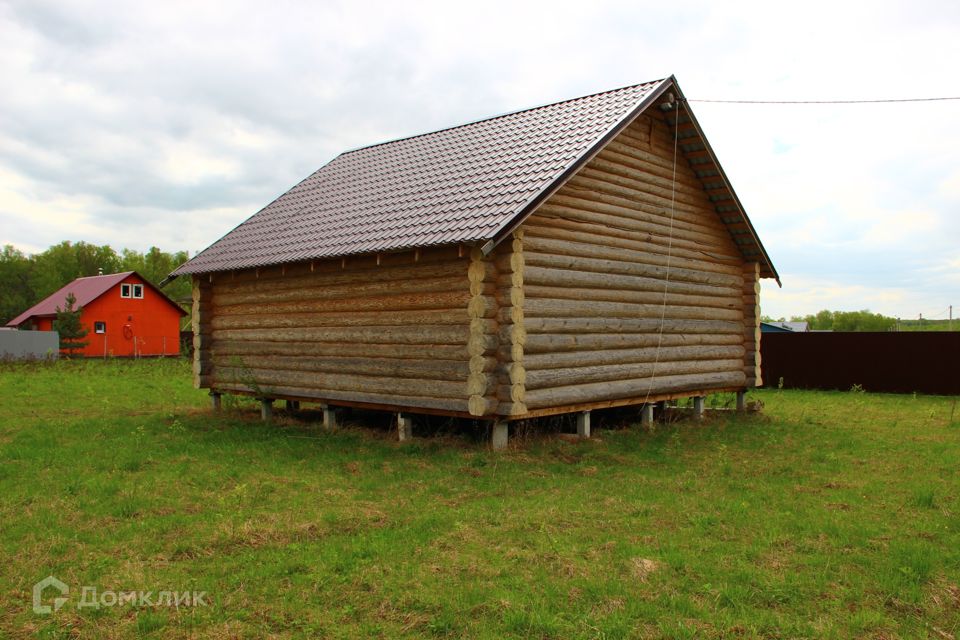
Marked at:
<point>925,362</point>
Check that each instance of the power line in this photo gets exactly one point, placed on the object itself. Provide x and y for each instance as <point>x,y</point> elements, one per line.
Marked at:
<point>939,316</point>
<point>881,101</point>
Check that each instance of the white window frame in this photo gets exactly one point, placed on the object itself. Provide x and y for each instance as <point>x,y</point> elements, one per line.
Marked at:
<point>138,291</point>
<point>99,326</point>
<point>126,290</point>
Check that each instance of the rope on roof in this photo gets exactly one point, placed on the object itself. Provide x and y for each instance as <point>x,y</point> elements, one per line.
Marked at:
<point>673,103</point>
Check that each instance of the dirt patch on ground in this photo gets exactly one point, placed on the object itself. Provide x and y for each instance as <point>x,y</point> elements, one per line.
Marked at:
<point>642,568</point>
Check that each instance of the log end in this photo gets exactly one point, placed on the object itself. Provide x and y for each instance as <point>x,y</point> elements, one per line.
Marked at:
<point>478,405</point>
<point>477,384</point>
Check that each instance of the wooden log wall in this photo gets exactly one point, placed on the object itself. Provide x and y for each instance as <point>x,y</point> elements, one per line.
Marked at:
<point>202,334</point>
<point>497,334</point>
<point>483,343</point>
<point>620,302</point>
<point>511,372</point>
<point>751,324</point>
<point>394,330</point>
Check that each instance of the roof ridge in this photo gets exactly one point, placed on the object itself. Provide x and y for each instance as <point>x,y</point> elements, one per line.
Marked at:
<point>102,275</point>
<point>500,115</point>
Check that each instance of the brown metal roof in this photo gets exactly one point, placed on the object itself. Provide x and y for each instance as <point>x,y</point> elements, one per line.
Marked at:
<point>455,185</point>
<point>466,184</point>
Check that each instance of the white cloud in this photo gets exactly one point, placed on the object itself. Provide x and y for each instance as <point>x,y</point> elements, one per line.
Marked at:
<point>184,162</point>
<point>950,186</point>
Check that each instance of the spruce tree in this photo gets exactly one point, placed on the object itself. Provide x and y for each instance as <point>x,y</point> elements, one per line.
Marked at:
<point>67,324</point>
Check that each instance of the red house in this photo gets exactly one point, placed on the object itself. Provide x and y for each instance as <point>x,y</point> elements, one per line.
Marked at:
<point>124,314</point>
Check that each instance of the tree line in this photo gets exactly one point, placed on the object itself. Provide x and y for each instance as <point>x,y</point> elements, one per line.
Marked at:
<point>864,321</point>
<point>27,279</point>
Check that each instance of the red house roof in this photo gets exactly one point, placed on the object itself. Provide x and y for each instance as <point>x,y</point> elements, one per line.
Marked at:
<point>85,290</point>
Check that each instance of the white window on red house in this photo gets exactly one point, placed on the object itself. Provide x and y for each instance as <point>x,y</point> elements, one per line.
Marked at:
<point>125,291</point>
<point>99,327</point>
<point>138,291</point>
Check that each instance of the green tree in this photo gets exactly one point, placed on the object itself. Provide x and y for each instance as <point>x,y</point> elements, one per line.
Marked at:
<point>131,260</point>
<point>823,321</point>
<point>862,321</point>
<point>848,321</point>
<point>16,294</point>
<point>154,265</point>
<point>67,261</point>
<point>67,324</point>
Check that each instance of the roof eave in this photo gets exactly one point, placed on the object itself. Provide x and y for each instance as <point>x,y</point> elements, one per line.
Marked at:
<point>726,181</point>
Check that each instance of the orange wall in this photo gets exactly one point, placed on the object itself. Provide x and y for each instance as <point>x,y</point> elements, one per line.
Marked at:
<point>152,323</point>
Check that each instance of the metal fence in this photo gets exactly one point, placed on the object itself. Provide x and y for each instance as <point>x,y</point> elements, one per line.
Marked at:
<point>131,346</point>
<point>907,362</point>
<point>29,345</point>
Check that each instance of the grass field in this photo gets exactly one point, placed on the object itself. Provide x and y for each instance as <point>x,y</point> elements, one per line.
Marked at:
<point>831,515</point>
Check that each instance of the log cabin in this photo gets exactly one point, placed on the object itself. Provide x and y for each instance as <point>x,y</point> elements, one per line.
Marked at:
<point>580,255</point>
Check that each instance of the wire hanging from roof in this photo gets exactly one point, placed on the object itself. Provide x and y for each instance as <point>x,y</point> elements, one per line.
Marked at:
<point>876,101</point>
<point>675,104</point>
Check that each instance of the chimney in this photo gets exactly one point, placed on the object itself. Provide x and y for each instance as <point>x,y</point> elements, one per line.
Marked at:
<point>99,271</point>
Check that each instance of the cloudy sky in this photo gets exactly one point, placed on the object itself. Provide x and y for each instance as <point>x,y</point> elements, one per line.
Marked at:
<point>168,123</point>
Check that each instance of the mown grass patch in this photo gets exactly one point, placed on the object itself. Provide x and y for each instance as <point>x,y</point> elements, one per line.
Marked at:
<point>830,515</point>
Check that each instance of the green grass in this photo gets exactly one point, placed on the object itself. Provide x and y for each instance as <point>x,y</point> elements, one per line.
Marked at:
<point>831,515</point>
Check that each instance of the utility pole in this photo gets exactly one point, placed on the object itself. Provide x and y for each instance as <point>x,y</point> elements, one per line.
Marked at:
<point>921,322</point>
<point>950,322</point>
